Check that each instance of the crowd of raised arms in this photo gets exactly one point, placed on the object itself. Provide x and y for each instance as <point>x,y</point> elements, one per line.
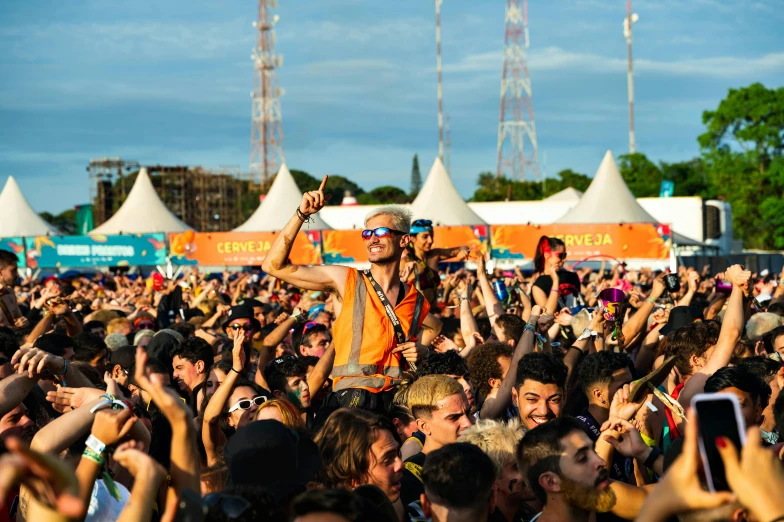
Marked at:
<point>404,392</point>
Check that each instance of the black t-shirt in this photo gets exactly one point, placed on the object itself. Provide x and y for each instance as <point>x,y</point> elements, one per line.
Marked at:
<point>568,288</point>
<point>411,486</point>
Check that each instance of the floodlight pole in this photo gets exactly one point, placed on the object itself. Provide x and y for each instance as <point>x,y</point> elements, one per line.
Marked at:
<point>630,73</point>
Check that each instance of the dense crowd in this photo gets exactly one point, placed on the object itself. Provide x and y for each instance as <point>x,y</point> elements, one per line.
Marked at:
<point>404,392</point>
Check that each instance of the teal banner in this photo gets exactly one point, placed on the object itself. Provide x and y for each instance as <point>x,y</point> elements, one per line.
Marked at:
<point>15,245</point>
<point>97,250</point>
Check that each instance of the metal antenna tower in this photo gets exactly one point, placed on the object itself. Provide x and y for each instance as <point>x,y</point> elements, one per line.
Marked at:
<point>517,110</point>
<point>627,32</point>
<point>266,134</point>
<point>447,145</point>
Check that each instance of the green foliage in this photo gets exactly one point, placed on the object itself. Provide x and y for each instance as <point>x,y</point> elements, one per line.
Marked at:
<point>565,179</point>
<point>65,221</point>
<point>383,195</point>
<point>742,153</point>
<point>336,186</point>
<point>641,175</point>
<point>493,188</point>
<point>416,178</point>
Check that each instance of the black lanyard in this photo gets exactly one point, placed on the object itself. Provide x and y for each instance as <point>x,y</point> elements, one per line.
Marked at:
<point>401,337</point>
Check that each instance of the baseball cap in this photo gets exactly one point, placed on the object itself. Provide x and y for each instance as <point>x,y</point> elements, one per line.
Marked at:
<point>266,453</point>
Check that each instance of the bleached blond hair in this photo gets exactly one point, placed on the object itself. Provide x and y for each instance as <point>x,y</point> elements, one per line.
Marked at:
<point>497,439</point>
<point>401,216</point>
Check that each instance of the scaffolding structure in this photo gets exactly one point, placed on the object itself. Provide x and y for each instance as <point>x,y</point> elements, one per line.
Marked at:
<point>105,174</point>
<point>207,199</point>
<point>266,133</point>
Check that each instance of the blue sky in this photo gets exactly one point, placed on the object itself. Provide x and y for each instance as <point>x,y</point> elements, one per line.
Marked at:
<point>169,83</point>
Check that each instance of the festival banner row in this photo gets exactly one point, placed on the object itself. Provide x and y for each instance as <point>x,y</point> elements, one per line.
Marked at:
<point>504,242</point>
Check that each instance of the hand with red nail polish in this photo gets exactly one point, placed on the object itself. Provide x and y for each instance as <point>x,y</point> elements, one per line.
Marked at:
<point>757,478</point>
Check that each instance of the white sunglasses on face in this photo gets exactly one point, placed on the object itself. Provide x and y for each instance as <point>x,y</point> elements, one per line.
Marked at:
<point>245,404</point>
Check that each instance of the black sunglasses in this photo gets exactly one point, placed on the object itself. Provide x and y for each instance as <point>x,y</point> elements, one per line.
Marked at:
<point>247,327</point>
<point>231,505</point>
<point>380,232</point>
<point>560,255</point>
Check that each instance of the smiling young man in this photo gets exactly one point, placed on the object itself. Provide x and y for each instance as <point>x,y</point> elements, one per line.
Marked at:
<point>358,448</point>
<point>379,318</point>
<point>441,410</point>
<point>538,392</point>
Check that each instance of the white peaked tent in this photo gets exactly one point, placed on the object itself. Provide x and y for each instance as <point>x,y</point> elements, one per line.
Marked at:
<point>609,200</point>
<point>143,212</point>
<point>439,201</point>
<point>567,195</point>
<point>278,206</point>
<point>21,219</point>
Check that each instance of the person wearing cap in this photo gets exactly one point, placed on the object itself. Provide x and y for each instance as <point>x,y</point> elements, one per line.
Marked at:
<point>422,259</point>
<point>242,317</point>
<point>291,459</point>
<point>373,341</point>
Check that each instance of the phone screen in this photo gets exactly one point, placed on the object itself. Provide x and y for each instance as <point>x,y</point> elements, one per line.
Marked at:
<point>717,418</point>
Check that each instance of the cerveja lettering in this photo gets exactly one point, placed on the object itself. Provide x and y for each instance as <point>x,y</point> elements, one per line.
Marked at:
<point>242,247</point>
<point>586,240</point>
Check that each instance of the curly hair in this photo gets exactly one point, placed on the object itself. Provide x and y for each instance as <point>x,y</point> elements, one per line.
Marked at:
<point>448,363</point>
<point>345,443</point>
<point>541,367</point>
<point>691,339</point>
<point>483,364</point>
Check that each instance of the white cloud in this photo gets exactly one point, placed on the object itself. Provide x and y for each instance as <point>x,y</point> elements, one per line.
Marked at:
<point>555,58</point>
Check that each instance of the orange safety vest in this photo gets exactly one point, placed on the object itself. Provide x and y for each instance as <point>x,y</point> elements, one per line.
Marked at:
<point>364,337</point>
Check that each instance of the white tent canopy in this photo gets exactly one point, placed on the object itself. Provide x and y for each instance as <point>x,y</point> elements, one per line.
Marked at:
<point>567,195</point>
<point>21,219</point>
<point>607,200</point>
<point>440,202</point>
<point>143,212</point>
<point>278,206</point>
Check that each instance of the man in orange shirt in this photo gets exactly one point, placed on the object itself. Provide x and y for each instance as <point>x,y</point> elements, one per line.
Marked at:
<point>379,318</point>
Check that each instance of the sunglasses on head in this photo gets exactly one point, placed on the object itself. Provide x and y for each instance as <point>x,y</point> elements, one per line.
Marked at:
<point>380,232</point>
<point>309,325</point>
<point>282,359</point>
<point>245,404</point>
<point>247,327</point>
<point>422,223</point>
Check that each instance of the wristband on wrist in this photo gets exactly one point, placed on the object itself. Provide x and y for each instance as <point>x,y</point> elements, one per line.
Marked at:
<point>651,300</point>
<point>94,444</point>
<point>93,456</point>
<point>65,370</point>
<point>655,454</point>
<point>235,371</point>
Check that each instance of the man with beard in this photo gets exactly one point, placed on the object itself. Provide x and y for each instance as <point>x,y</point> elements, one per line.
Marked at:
<point>379,318</point>
<point>560,465</point>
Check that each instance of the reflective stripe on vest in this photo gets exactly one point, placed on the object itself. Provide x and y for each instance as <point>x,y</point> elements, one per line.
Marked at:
<point>368,376</point>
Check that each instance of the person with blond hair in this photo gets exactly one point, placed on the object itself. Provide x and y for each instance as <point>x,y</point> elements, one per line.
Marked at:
<point>281,411</point>
<point>498,440</point>
<point>440,407</point>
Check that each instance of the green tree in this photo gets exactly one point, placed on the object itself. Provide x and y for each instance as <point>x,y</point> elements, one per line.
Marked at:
<point>65,221</point>
<point>383,195</point>
<point>565,179</point>
<point>416,178</point>
<point>336,186</point>
<point>641,175</point>
<point>742,153</point>
<point>493,188</point>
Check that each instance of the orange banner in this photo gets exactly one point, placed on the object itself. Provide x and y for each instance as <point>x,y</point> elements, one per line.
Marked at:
<point>626,241</point>
<point>239,248</point>
<point>347,246</point>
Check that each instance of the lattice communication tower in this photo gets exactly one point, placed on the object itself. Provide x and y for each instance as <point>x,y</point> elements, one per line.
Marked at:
<point>518,155</point>
<point>266,140</point>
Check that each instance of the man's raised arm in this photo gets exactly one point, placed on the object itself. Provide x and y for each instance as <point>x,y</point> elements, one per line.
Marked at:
<point>330,279</point>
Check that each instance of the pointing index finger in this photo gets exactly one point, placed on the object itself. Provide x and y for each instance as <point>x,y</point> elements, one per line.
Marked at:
<point>323,183</point>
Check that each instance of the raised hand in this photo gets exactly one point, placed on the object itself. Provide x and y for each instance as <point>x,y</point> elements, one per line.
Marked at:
<point>408,351</point>
<point>66,399</point>
<point>738,276</point>
<point>630,443</point>
<point>443,344</point>
<point>238,352</point>
<point>131,456</point>
<point>33,361</point>
<point>110,426</point>
<point>314,200</point>
<point>621,407</point>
